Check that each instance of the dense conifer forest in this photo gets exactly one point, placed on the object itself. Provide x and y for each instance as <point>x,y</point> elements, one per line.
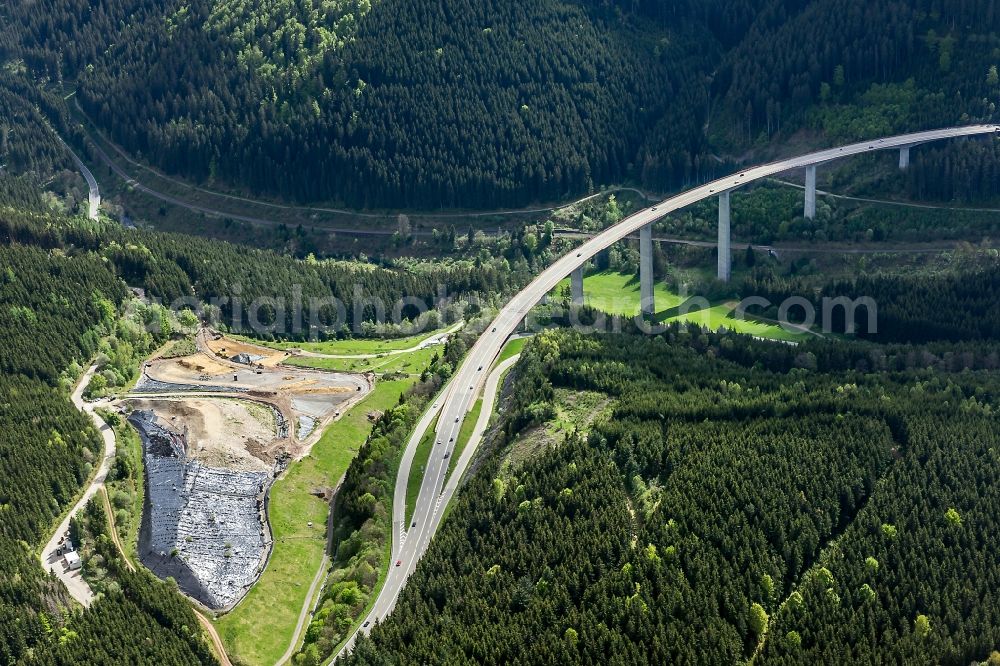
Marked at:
<point>459,103</point>
<point>742,499</point>
<point>53,311</point>
<point>173,267</point>
<point>832,501</point>
<point>955,305</point>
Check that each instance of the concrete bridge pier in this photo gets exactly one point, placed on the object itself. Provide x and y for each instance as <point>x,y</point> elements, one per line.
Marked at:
<point>648,307</point>
<point>94,205</point>
<point>810,205</point>
<point>725,257</point>
<point>576,286</point>
<point>904,157</point>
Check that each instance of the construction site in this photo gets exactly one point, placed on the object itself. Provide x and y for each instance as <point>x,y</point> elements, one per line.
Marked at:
<point>218,426</point>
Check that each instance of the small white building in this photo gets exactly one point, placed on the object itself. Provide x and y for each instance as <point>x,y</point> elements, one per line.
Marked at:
<point>72,561</point>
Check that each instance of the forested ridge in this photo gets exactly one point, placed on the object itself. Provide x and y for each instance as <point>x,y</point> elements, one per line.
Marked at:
<point>743,499</point>
<point>178,269</point>
<point>408,107</point>
<point>27,117</point>
<point>460,103</point>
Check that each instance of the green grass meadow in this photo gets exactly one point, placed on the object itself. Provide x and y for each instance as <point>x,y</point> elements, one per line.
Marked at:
<point>618,293</point>
<point>260,628</point>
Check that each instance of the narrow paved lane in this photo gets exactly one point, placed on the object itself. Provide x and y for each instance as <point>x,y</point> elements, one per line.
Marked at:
<point>213,635</point>
<point>73,581</point>
<point>431,341</point>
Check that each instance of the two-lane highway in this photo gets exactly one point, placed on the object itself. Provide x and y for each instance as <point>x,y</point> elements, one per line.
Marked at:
<point>464,387</point>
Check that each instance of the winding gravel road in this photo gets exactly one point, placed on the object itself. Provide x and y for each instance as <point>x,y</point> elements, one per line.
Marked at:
<point>74,582</point>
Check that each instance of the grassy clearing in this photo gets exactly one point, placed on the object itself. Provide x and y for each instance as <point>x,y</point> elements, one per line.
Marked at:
<point>353,347</point>
<point>260,628</point>
<point>618,293</point>
<point>574,410</point>
<point>420,458</point>
<point>372,598</point>
<point>512,348</point>
<point>410,363</point>
<point>577,410</point>
<point>721,315</point>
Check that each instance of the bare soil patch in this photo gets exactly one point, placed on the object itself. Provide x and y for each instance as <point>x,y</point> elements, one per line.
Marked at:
<point>228,347</point>
<point>221,432</point>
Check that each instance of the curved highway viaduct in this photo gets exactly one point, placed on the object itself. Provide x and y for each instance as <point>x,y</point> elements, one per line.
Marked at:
<point>464,388</point>
<point>94,196</point>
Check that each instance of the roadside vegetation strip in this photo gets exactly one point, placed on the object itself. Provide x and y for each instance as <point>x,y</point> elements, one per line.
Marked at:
<point>128,459</point>
<point>512,348</point>
<point>372,598</point>
<point>113,529</point>
<point>417,467</point>
<point>259,629</point>
<point>468,427</point>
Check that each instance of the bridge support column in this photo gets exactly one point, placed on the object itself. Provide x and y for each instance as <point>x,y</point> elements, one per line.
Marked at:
<point>810,206</point>
<point>648,307</point>
<point>725,257</point>
<point>904,157</point>
<point>576,286</point>
<point>94,205</point>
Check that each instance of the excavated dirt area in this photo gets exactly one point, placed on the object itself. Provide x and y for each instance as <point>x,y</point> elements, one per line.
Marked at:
<point>203,371</point>
<point>228,347</point>
<point>220,432</point>
<point>305,399</point>
<point>217,427</point>
<point>204,526</point>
